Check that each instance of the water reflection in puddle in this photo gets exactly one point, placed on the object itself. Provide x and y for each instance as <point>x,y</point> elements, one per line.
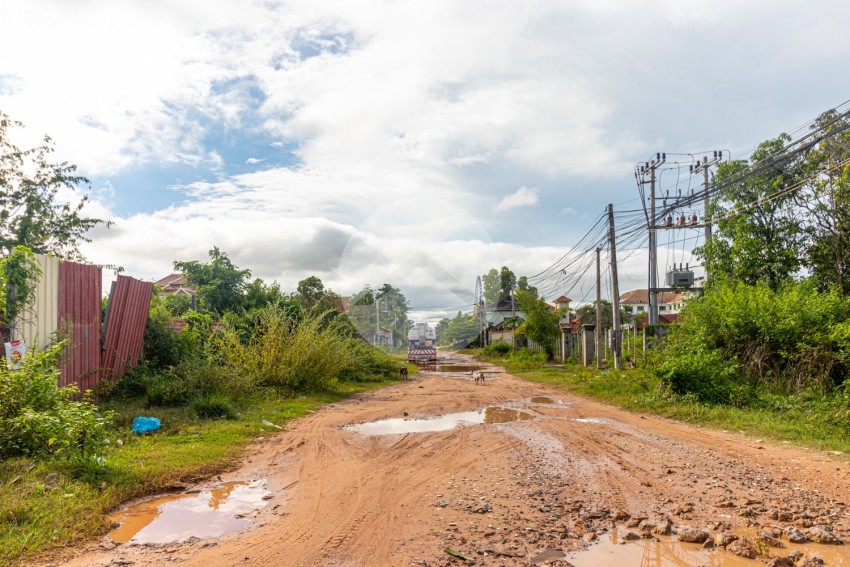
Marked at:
<point>587,420</point>
<point>455,368</point>
<point>441,423</point>
<point>542,400</point>
<point>667,552</point>
<point>178,517</point>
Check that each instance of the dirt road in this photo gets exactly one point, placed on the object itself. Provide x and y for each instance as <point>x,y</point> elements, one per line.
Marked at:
<point>558,475</point>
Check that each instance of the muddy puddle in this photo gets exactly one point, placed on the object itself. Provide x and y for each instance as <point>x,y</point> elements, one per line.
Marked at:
<point>667,552</point>
<point>543,400</point>
<point>455,368</point>
<point>204,514</point>
<point>446,422</point>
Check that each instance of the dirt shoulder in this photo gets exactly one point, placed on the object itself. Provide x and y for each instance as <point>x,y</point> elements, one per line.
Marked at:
<point>500,493</point>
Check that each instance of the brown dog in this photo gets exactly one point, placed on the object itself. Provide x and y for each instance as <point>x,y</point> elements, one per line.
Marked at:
<point>403,373</point>
<point>479,377</point>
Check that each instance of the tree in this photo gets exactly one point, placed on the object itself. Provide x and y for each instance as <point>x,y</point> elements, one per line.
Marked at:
<point>461,330</point>
<point>522,283</point>
<point>310,290</point>
<point>393,310</point>
<point>759,236</point>
<point>219,285</point>
<point>440,329</point>
<point>826,199</point>
<point>258,294</point>
<point>542,324</point>
<point>31,213</point>
<point>492,286</point>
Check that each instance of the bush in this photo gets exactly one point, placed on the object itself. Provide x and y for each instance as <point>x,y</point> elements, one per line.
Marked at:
<point>705,374</point>
<point>39,417</point>
<point>212,406</point>
<point>498,349</point>
<point>526,358</point>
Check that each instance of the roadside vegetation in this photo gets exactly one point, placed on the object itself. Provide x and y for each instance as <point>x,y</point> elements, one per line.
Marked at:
<point>766,348</point>
<point>246,361</point>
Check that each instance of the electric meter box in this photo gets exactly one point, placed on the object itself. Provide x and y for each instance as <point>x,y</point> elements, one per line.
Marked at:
<point>680,278</point>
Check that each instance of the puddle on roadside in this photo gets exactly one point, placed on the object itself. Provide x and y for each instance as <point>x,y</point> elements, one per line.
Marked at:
<point>587,420</point>
<point>456,368</point>
<point>543,400</point>
<point>667,552</point>
<point>178,517</point>
<point>446,422</point>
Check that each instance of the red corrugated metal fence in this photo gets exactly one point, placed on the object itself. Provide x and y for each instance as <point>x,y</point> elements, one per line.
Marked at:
<point>80,316</point>
<point>127,316</point>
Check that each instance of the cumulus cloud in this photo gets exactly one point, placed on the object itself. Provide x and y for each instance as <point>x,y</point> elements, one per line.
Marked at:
<point>522,197</point>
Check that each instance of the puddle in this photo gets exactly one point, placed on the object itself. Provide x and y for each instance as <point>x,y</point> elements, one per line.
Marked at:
<point>587,420</point>
<point>454,368</point>
<point>442,423</point>
<point>667,552</point>
<point>178,517</point>
<point>542,400</point>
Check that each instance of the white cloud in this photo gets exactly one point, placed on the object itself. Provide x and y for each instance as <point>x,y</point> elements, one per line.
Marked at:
<point>522,197</point>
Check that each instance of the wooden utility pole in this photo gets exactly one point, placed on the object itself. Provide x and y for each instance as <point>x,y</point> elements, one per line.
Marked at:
<point>598,312</point>
<point>615,292</point>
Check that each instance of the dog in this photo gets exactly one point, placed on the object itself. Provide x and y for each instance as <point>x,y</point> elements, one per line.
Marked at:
<point>479,377</point>
<point>403,373</point>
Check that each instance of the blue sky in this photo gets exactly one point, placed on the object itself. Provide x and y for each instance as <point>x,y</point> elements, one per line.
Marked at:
<point>416,143</point>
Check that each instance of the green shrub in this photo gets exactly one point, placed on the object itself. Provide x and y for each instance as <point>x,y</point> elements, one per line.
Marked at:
<point>525,358</point>
<point>212,406</point>
<point>705,374</point>
<point>498,349</point>
<point>39,417</point>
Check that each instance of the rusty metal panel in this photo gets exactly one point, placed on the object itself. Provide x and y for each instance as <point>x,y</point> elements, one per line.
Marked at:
<point>39,320</point>
<point>124,329</point>
<point>79,320</point>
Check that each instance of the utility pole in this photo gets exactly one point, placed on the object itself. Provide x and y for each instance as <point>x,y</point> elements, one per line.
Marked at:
<point>513,318</point>
<point>704,165</point>
<point>649,169</point>
<point>615,292</point>
<point>598,312</point>
<point>377,319</point>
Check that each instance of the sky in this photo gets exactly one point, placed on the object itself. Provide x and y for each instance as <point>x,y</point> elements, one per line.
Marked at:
<point>405,142</point>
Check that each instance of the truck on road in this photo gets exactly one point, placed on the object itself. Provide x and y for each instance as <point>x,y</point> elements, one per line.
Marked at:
<point>422,338</point>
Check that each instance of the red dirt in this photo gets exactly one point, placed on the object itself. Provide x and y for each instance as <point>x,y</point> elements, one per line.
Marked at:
<point>499,493</point>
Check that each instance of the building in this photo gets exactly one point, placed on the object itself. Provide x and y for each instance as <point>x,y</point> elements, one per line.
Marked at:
<point>669,303</point>
<point>175,284</point>
<point>562,302</point>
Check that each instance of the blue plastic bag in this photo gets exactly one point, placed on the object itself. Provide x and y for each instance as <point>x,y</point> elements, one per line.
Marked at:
<point>145,424</point>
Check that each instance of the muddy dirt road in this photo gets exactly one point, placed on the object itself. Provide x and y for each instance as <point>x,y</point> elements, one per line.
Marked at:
<point>540,477</point>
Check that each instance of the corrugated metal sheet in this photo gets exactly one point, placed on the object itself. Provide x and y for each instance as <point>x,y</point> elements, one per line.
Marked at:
<point>80,315</point>
<point>124,331</point>
<point>40,319</point>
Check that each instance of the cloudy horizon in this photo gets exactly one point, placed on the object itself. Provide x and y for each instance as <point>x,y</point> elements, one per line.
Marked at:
<point>417,144</point>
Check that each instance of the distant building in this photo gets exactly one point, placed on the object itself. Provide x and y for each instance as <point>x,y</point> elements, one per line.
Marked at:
<point>562,302</point>
<point>175,284</point>
<point>669,303</point>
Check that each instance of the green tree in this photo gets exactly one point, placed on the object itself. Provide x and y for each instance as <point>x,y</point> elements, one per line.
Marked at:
<point>258,294</point>
<point>219,285</point>
<point>522,283</point>
<point>31,214</point>
<point>492,286</point>
<point>461,330</point>
<point>393,308</point>
<point>440,329</point>
<point>542,322</point>
<point>310,290</point>
<point>826,200</point>
<point>759,236</point>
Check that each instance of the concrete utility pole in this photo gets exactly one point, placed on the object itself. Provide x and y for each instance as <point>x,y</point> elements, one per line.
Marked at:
<point>615,292</point>
<point>704,165</point>
<point>598,312</point>
<point>377,319</point>
<point>641,172</point>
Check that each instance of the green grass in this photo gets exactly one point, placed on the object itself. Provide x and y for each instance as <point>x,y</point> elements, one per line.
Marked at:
<point>820,422</point>
<point>49,504</point>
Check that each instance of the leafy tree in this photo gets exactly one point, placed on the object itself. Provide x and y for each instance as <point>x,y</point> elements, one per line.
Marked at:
<point>522,283</point>
<point>507,282</point>
<point>19,275</point>
<point>31,214</point>
<point>258,294</point>
<point>219,285</point>
<point>826,200</point>
<point>492,286</point>
<point>440,329</point>
<point>393,307</point>
<point>461,330</point>
<point>310,290</point>
<point>177,304</point>
<point>587,313</point>
<point>759,236</point>
<point>542,322</point>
